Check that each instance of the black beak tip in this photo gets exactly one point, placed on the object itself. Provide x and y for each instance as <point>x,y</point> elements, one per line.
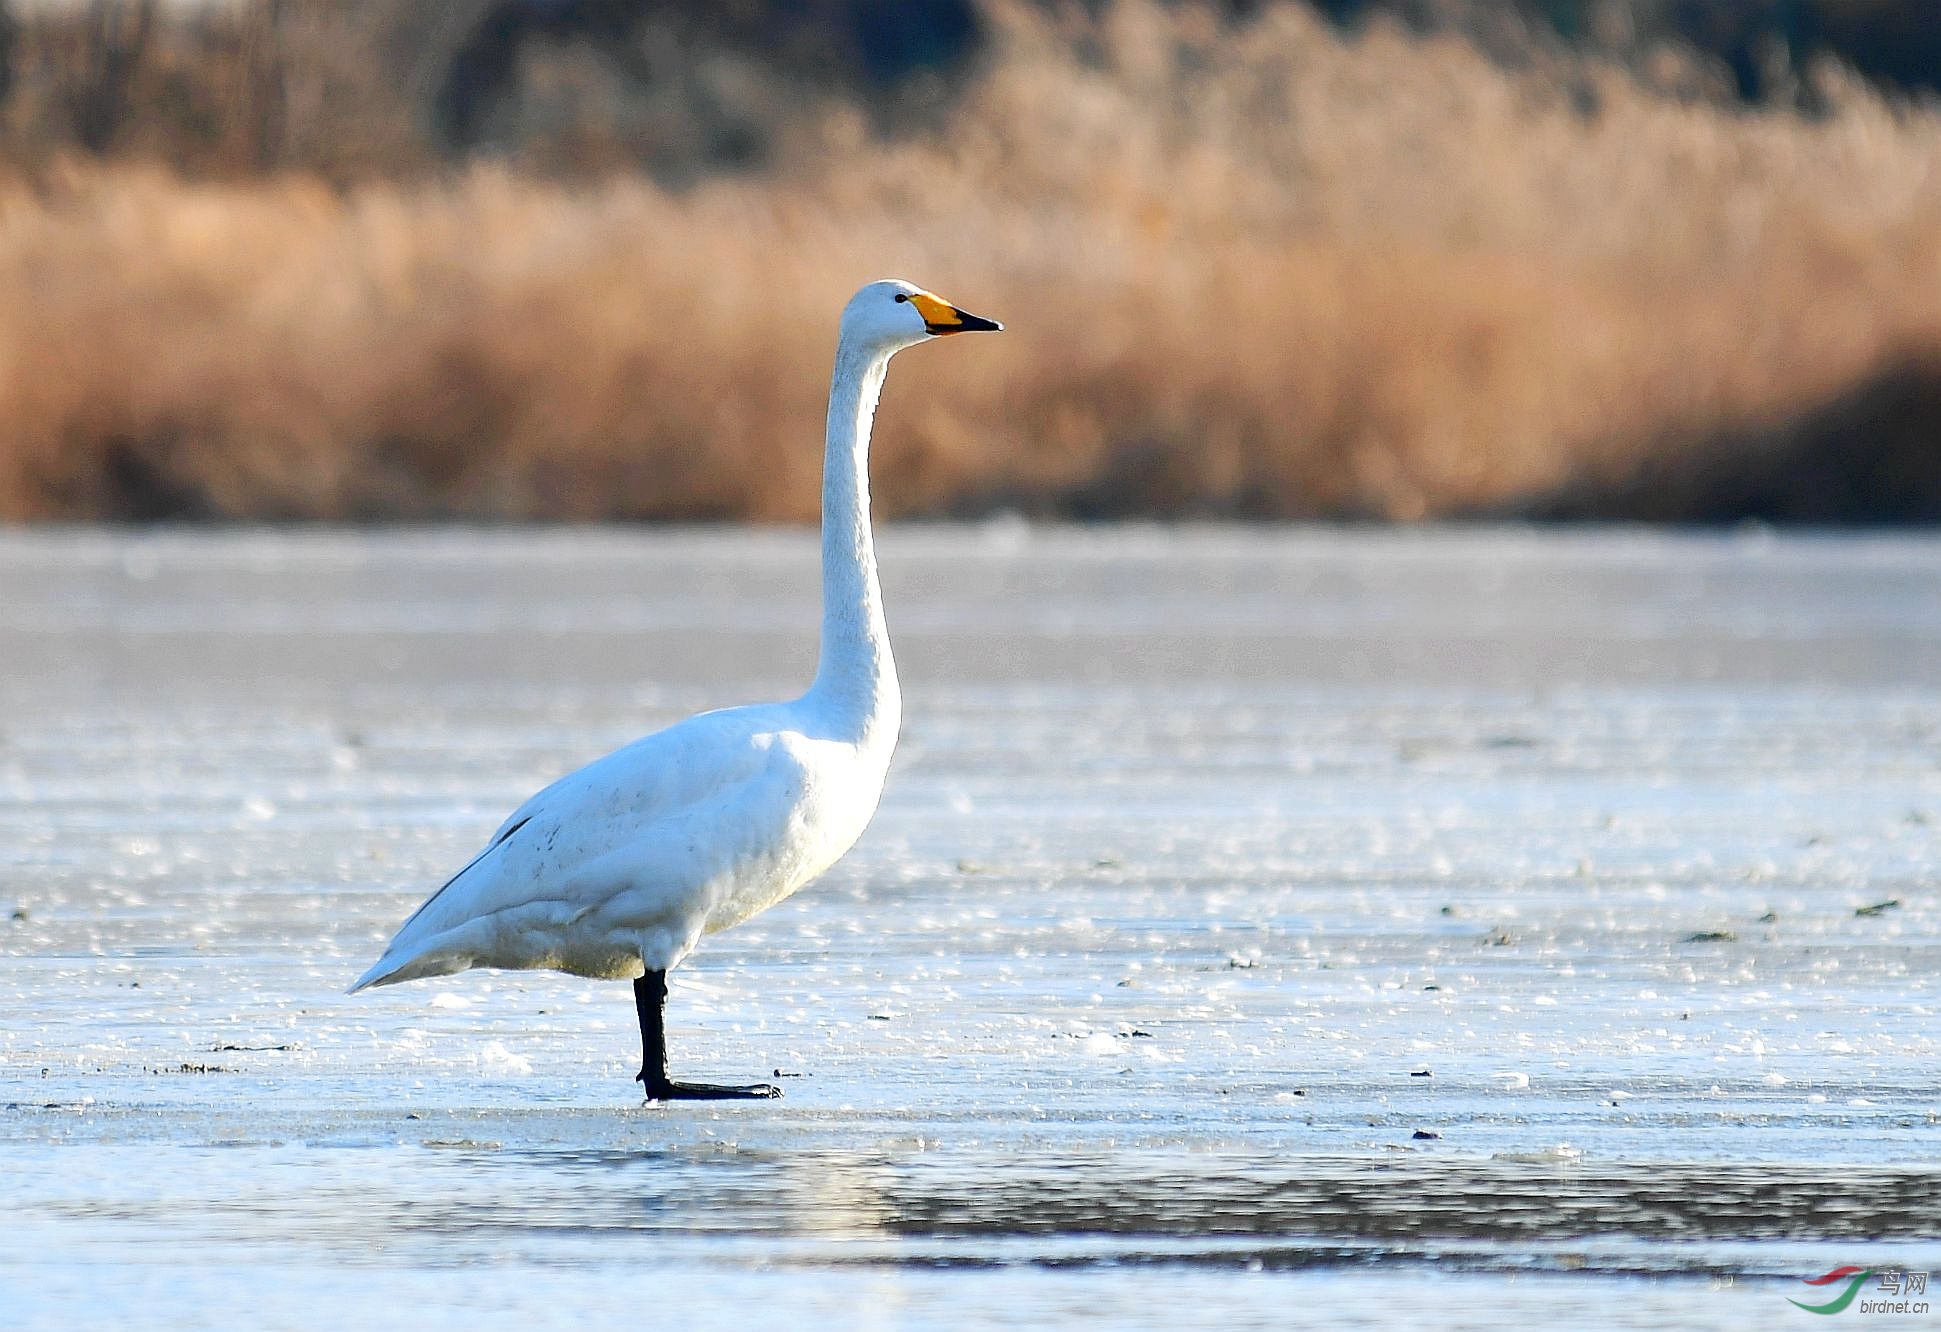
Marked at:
<point>965,323</point>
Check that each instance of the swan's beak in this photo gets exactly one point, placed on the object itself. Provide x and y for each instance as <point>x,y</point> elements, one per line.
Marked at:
<point>941,317</point>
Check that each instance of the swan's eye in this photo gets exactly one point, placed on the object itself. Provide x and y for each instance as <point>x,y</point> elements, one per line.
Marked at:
<point>901,297</point>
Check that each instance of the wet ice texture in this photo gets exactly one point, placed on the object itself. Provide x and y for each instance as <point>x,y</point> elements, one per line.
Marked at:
<point>1254,919</point>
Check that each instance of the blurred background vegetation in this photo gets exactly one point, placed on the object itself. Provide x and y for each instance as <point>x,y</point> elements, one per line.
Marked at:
<point>1656,259</point>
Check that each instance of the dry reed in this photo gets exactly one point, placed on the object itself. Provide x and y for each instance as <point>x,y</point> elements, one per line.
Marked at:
<point>1253,270</point>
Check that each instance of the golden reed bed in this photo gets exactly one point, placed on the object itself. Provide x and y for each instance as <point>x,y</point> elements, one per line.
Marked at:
<point>1261,271</point>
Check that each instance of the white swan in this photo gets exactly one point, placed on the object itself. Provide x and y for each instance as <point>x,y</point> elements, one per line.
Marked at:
<point>618,869</point>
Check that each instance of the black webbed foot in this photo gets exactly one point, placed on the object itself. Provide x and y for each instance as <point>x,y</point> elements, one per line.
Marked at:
<point>665,1089</point>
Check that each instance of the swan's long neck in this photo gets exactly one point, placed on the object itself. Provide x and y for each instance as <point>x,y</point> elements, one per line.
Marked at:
<point>856,677</point>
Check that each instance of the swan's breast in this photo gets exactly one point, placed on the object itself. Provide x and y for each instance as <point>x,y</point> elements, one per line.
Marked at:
<point>818,797</point>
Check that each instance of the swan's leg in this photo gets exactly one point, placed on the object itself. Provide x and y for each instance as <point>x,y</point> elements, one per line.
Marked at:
<point>650,1001</point>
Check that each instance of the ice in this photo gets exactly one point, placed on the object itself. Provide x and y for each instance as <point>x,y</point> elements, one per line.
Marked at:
<point>1199,846</point>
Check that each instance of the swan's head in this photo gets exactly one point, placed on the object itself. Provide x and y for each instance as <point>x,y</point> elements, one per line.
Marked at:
<point>892,315</point>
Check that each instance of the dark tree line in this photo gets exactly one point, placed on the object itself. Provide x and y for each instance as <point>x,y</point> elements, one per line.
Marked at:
<point>1896,42</point>
<point>401,85</point>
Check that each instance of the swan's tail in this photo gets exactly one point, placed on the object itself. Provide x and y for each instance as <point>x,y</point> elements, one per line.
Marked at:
<point>385,972</point>
<point>392,968</point>
<point>381,974</point>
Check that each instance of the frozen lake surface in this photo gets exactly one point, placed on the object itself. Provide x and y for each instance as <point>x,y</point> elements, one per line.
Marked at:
<point>1261,928</point>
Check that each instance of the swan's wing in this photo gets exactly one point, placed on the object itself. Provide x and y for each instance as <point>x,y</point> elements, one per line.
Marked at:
<point>600,830</point>
<point>512,825</point>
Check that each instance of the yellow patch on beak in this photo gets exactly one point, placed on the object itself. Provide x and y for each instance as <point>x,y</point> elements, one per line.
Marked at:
<point>941,317</point>
<point>936,314</point>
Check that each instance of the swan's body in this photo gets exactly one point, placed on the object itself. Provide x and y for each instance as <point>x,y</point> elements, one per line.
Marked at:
<point>621,867</point>
<point>618,869</point>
